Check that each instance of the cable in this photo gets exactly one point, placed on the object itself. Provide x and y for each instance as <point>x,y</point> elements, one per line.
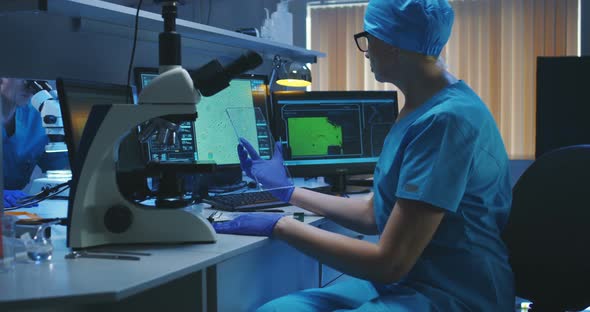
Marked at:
<point>45,192</point>
<point>133,49</point>
<point>58,221</point>
<point>208,12</point>
<point>29,203</point>
<point>220,189</point>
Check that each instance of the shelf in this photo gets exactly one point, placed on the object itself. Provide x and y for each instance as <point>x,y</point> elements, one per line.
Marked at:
<point>105,18</point>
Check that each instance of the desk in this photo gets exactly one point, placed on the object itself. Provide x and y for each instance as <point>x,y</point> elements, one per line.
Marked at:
<point>238,273</point>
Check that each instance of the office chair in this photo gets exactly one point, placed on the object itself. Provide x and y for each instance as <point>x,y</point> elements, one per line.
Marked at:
<point>548,232</point>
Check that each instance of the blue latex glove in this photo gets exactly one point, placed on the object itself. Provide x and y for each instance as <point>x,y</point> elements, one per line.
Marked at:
<point>256,224</point>
<point>11,198</point>
<point>270,173</point>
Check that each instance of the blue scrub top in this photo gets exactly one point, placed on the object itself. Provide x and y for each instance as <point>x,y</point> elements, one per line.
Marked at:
<point>26,148</point>
<point>449,153</point>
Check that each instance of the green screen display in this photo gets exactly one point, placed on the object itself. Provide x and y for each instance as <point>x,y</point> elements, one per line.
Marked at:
<point>313,136</point>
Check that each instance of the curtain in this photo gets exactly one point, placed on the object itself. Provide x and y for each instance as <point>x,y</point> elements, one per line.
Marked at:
<point>493,47</point>
<point>330,30</point>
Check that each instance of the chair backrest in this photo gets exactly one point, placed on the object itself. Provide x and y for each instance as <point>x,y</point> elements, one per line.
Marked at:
<point>548,233</point>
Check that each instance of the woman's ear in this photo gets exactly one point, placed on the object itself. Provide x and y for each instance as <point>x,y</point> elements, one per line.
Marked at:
<point>396,54</point>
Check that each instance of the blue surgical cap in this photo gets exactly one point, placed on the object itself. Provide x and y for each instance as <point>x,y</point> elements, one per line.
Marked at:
<point>422,26</point>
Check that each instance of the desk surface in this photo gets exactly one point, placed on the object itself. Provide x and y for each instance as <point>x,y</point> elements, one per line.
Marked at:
<point>82,281</point>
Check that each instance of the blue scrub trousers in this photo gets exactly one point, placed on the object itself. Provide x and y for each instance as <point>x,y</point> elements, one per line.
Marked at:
<point>350,295</point>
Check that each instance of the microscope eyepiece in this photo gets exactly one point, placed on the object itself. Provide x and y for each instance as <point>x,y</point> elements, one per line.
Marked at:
<point>34,86</point>
<point>213,77</point>
<point>246,62</point>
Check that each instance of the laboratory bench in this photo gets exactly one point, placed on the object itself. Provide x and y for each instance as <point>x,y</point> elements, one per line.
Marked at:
<point>237,273</point>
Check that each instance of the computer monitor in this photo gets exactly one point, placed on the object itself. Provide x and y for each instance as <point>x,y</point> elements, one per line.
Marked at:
<point>562,103</point>
<point>216,138</point>
<point>332,133</point>
<point>76,99</point>
<point>212,134</point>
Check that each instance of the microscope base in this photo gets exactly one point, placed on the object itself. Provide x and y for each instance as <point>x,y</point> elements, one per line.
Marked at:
<point>148,226</point>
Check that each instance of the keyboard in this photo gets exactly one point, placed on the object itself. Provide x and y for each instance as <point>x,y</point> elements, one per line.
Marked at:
<point>247,201</point>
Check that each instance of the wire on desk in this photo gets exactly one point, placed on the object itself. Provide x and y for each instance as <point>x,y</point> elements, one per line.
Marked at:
<point>41,196</point>
<point>365,191</point>
<point>215,215</point>
<point>44,192</point>
<point>59,221</point>
<point>222,189</point>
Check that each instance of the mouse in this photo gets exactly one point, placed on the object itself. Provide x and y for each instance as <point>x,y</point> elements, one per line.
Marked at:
<point>252,184</point>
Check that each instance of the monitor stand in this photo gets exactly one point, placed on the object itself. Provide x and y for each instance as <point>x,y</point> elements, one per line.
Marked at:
<point>342,184</point>
<point>224,179</point>
<point>338,181</point>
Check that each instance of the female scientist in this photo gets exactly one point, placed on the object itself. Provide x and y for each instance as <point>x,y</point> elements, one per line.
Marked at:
<point>441,188</point>
<point>23,140</point>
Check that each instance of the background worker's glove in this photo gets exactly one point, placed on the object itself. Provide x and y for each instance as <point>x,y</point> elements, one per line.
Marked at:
<point>271,174</point>
<point>252,223</point>
<point>12,197</point>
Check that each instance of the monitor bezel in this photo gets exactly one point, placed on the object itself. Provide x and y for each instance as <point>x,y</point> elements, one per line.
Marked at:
<point>315,170</point>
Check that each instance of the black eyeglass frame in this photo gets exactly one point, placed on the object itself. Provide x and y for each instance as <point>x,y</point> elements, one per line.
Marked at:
<point>361,35</point>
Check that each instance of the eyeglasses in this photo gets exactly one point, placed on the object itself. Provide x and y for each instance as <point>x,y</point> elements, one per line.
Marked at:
<point>362,41</point>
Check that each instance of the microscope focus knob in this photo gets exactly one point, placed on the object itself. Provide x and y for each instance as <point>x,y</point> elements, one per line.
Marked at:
<point>118,219</point>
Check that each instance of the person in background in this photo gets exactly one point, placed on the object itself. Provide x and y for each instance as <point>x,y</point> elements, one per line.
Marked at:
<point>441,194</point>
<point>23,140</point>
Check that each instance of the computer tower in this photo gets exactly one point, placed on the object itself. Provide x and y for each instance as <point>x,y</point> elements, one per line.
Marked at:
<point>563,102</point>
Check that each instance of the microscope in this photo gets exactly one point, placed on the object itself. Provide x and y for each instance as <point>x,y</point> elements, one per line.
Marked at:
<point>98,212</point>
<point>45,101</point>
